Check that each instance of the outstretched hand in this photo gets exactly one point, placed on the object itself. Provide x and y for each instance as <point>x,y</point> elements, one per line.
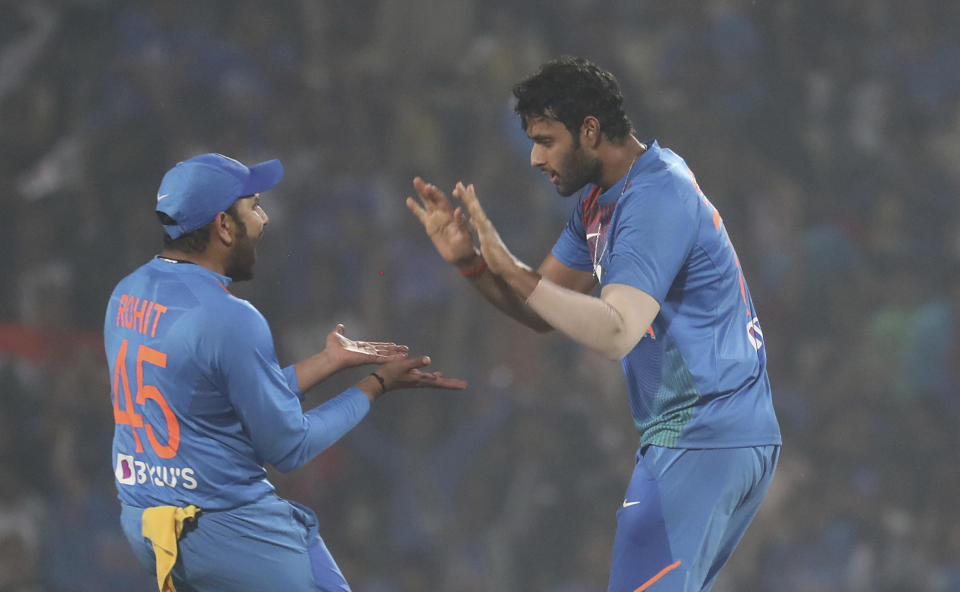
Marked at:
<point>402,374</point>
<point>345,352</point>
<point>446,226</point>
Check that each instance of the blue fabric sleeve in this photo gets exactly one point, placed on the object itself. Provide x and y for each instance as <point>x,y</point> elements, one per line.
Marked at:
<point>571,246</point>
<point>333,419</point>
<point>652,238</point>
<point>291,373</point>
<point>259,390</point>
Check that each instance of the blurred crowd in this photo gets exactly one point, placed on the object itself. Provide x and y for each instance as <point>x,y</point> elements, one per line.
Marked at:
<point>827,133</point>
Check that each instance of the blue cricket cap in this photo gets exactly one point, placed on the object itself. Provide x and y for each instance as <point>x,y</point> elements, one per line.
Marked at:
<point>197,189</point>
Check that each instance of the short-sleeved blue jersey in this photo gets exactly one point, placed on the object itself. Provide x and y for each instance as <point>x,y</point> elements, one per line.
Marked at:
<point>698,378</point>
<point>200,402</point>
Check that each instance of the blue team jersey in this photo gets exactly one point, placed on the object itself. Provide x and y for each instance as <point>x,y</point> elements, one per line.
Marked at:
<point>698,378</point>
<point>200,402</point>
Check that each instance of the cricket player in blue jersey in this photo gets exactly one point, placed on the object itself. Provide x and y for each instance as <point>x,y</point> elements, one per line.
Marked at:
<point>673,307</point>
<point>201,404</point>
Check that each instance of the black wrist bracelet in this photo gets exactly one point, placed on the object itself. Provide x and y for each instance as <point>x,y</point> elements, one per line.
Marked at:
<point>380,380</point>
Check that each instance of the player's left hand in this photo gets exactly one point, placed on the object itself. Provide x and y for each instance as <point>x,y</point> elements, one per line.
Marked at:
<point>345,352</point>
<point>407,374</point>
<point>499,259</point>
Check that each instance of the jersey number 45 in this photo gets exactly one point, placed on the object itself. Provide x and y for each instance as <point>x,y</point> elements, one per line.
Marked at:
<point>128,415</point>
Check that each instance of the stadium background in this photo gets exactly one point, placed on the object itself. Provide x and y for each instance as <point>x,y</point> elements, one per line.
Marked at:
<point>826,132</point>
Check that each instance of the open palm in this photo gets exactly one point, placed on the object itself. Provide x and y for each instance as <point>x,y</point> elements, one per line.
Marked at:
<point>445,226</point>
<point>346,352</point>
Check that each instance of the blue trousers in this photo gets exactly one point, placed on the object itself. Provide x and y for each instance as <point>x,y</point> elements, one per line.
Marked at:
<point>271,544</point>
<point>684,512</point>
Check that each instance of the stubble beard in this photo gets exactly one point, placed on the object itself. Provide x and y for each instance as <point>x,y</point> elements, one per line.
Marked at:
<point>577,170</point>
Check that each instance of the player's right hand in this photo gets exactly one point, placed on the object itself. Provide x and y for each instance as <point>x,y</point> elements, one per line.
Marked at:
<point>345,352</point>
<point>404,374</point>
<point>446,227</point>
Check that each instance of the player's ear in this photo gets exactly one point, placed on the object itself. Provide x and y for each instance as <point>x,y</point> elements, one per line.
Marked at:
<point>590,131</point>
<point>223,228</point>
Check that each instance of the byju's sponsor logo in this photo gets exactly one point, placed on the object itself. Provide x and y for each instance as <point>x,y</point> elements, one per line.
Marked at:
<point>124,470</point>
<point>137,472</point>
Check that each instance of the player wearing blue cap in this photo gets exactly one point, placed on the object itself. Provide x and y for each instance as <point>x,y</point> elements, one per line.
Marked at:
<point>674,308</point>
<point>200,402</point>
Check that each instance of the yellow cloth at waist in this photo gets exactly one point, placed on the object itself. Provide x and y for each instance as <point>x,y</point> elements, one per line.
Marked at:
<point>163,525</point>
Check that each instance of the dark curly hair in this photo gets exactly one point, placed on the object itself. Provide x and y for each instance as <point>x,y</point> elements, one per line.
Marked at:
<point>568,89</point>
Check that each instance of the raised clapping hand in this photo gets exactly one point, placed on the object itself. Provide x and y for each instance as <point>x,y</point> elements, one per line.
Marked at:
<point>345,352</point>
<point>449,229</point>
<point>499,259</point>
<point>446,227</point>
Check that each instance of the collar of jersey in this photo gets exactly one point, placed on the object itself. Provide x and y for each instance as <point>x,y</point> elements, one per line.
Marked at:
<point>190,269</point>
<point>650,156</point>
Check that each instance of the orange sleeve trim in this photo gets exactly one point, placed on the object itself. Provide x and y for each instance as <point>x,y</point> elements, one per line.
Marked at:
<point>655,578</point>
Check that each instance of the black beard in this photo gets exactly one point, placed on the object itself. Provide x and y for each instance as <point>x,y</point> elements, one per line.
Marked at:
<point>239,264</point>
<point>576,172</point>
